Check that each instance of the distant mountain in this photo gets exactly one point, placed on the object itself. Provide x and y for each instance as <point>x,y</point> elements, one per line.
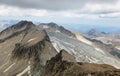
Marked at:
<point>95,33</point>
<point>26,49</point>
<point>106,38</point>
<point>6,23</point>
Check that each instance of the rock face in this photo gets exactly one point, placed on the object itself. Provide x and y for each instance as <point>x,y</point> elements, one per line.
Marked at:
<point>36,49</point>
<point>57,66</point>
<point>28,47</point>
<point>25,50</point>
<point>9,37</point>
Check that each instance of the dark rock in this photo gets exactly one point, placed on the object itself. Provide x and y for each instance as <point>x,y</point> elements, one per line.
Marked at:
<point>59,67</point>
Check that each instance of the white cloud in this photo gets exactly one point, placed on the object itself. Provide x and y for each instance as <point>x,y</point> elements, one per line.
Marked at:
<point>17,12</point>
<point>110,15</point>
<point>101,8</point>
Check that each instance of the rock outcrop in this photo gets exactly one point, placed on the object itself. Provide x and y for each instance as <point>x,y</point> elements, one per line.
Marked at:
<point>57,66</point>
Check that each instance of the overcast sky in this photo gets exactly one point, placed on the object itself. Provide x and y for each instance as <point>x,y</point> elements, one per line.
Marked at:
<point>94,12</point>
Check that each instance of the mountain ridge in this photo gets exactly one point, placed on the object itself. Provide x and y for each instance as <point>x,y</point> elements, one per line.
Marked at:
<point>33,46</point>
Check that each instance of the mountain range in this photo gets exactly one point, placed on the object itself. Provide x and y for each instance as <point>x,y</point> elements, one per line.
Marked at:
<point>30,50</point>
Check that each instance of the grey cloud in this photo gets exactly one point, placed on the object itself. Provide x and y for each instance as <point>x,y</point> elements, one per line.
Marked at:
<point>52,4</point>
<point>99,12</point>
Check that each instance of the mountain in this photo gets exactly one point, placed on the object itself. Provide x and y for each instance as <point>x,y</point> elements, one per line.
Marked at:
<point>26,48</point>
<point>95,33</point>
<point>110,38</point>
<point>23,44</point>
<point>15,29</point>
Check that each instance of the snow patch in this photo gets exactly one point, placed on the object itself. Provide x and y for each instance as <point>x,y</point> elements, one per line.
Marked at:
<point>117,47</point>
<point>56,46</point>
<point>31,39</point>
<point>9,67</point>
<point>45,26</point>
<point>57,31</point>
<point>99,50</point>
<point>24,71</point>
<point>81,38</point>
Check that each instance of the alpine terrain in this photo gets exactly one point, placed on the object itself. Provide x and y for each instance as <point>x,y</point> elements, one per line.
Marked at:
<point>48,49</point>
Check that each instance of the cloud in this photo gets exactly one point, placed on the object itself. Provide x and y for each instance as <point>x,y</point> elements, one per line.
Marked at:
<point>96,8</point>
<point>109,10</point>
<point>110,15</point>
<point>53,4</point>
<point>14,11</point>
<point>63,8</point>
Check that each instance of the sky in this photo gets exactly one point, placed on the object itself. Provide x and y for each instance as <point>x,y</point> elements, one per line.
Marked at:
<point>87,12</point>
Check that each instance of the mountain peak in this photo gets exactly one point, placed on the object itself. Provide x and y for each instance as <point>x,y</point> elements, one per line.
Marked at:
<point>95,33</point>
<point>52,24</point>
<point>20,26</point>
<point>23,23</point>
<point>53,27</point>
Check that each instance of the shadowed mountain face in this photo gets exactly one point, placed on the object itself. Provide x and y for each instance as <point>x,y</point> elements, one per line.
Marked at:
<point>25,48</point>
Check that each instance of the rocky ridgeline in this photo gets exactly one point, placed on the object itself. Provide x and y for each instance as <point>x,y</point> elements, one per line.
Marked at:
<point>57,66</point>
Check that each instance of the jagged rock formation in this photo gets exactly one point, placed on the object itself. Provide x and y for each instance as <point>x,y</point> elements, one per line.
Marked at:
<point>57,66</point>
